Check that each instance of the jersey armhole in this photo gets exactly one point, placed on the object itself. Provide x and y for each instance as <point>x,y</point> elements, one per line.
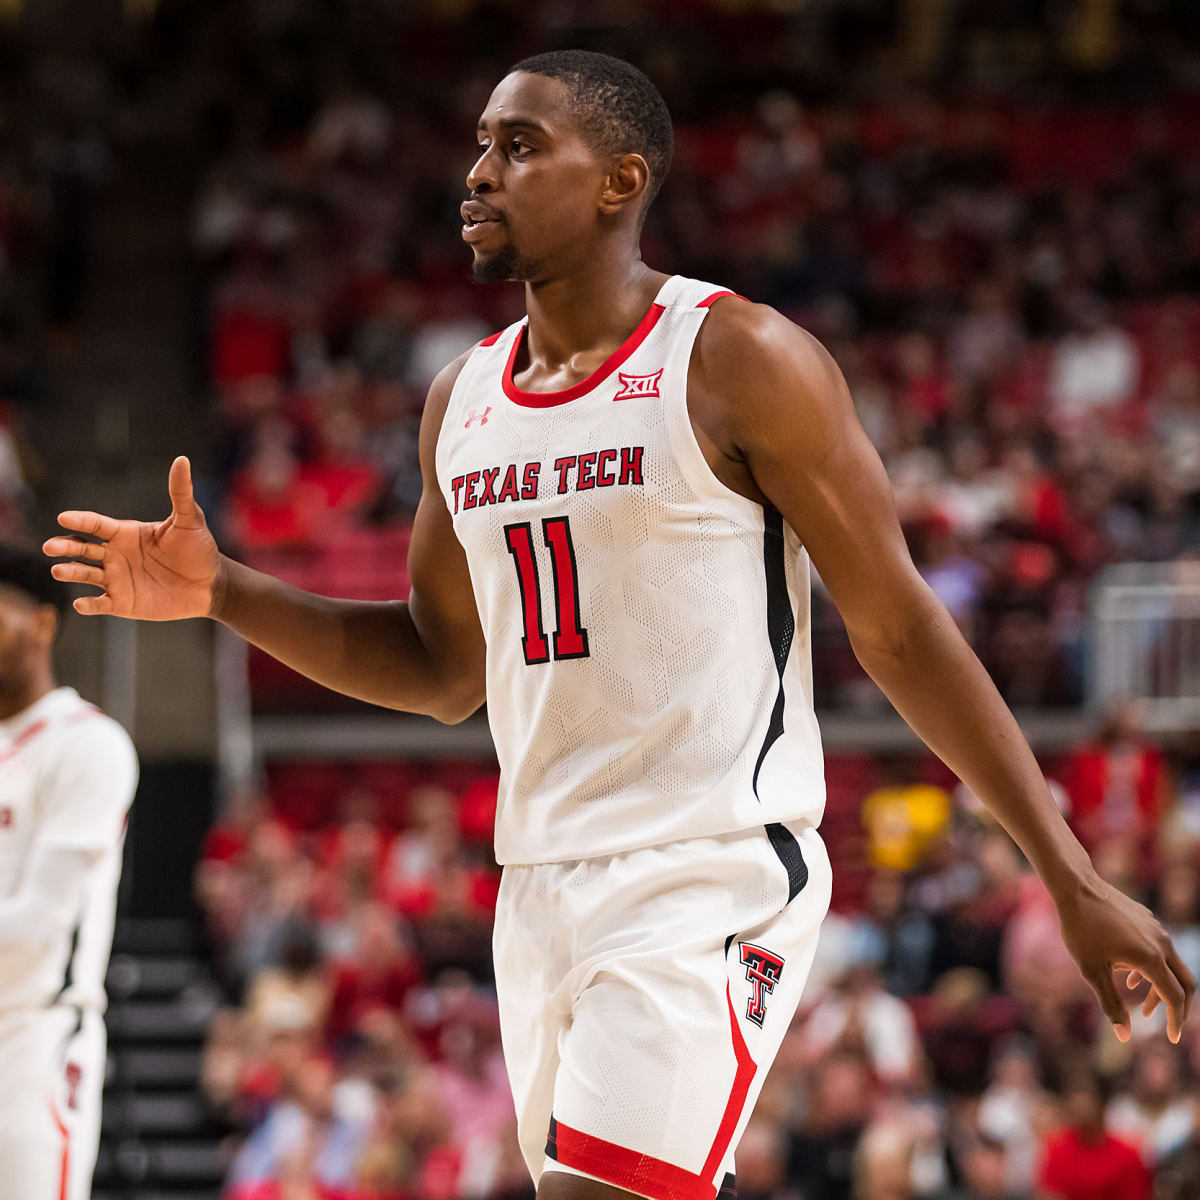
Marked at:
<point>688,453</point>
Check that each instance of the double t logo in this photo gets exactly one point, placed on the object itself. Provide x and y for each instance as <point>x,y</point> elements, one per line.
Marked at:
<point>763,970</point>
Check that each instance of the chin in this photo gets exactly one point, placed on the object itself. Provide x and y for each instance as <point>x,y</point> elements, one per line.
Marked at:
<point>505,266</point>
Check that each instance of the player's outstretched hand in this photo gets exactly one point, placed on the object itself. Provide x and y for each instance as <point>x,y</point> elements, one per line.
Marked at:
<point>162,571</point>
<point>1105,931</point>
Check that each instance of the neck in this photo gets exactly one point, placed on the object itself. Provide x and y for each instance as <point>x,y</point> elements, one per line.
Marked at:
<point>593,306</point>
<point>28,692</point>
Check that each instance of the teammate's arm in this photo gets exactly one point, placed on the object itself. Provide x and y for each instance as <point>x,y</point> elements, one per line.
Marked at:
<point>48,902</point>
<point>790,420</point>
<point>82,803</point>
<point>425,655</point>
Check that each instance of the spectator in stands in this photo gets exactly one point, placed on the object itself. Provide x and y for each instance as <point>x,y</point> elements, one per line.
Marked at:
<point>985,1175</point>
<point>1011,1111</point>
<point>298,979</point>
<point>1095,368</point>
<point>376,975</point>
<point>278,886</point>
<point>903,818</point>
<point>1117,782</point>
<point>304,1127</point>
<point>273,504</point>
<point>894,933</point>
<point>1176,1176</point>
<point>821,1152</point>
<point>884,1166</point>
<point>409,1129</point>
<point>859,1017</point>
<point>471,1079</point>
<point>1154,1114</point>
<point>1178,906</point>
<point>1082,1161</point>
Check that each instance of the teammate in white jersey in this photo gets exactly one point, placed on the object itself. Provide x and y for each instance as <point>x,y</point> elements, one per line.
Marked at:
<point>67,778</point>
<point>621,493</point>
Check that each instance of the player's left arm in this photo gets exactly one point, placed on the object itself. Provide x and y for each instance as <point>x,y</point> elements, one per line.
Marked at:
<point>82,803</point>
<point>787,415</point>
<point>48,902</point>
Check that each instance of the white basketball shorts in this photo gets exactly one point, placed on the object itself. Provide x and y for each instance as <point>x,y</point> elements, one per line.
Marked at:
<point>52,1077</point>
<point>643,998</point>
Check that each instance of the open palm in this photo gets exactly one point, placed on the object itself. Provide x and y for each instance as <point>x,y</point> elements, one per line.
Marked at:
<point>162,571</point>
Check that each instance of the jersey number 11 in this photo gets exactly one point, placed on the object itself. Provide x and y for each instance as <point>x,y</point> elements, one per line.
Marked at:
<point>570,638</point>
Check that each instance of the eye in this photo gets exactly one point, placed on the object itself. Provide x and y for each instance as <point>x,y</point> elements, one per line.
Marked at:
<point>519,146</point>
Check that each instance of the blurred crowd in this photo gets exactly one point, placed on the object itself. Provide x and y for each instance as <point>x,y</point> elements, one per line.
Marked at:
<point>946,1048</point>
<point>54,154</point>
<point>1012,287</point>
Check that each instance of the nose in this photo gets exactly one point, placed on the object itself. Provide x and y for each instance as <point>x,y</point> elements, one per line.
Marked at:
<point>482,176</point>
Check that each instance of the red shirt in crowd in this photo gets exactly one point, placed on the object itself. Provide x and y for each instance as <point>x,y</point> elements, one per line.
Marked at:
<point>1104,1169</point>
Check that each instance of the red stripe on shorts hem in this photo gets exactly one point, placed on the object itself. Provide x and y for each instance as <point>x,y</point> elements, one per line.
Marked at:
<point>652,1177</point>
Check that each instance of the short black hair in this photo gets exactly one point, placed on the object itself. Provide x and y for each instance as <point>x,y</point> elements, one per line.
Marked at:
<point>619,110</point>
<point>28,571</point>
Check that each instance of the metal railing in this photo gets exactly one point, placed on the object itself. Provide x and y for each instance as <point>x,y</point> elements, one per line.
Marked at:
<point>1146,642</point>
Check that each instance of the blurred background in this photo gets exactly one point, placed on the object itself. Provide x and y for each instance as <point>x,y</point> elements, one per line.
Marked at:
<point>228,228</point>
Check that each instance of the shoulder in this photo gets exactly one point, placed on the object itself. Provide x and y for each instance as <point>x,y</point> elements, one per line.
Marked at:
<point>437,400</point>
<point>442,387</point>
<point>762,369</point>
<point>754,343</point>
<point>92,738</point>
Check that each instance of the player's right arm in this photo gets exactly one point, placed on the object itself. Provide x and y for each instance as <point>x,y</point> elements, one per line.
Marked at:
<point>425,655</point>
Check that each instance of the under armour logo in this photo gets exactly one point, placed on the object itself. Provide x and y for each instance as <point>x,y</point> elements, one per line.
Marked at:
<point>474,416</point>
<point>638,387</point>
<point>763,970</point>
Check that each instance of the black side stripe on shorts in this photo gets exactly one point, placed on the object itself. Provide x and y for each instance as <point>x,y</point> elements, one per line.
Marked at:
<point>728,1188</point>
<point>784,843</point>
<point>552,1140</point>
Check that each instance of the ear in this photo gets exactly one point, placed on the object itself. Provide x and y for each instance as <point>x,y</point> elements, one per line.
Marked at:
<point>626,184</point>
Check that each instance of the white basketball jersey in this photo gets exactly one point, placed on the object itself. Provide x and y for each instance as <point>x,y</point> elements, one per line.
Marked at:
<point>649,672</point>
<point>67,778</point>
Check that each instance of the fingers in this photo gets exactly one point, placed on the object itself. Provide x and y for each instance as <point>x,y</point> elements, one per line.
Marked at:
<point>62,547</point>
<point>1133,979</point>
<point>92,606</point>
<point>1114,1007</point>
<point>89,522</point>
<point>183,504</point>
<point>1180,970</point>
<point>78,573</point>
<point>1170,990</point>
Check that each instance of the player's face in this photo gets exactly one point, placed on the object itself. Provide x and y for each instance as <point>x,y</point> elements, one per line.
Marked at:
<point>535,186</point>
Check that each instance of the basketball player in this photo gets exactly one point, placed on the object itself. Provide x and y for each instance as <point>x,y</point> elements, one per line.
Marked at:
<point>622,494</point>
<point>67,777</point>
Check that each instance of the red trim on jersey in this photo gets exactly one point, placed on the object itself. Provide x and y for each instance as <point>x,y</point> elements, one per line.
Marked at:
<point>717,296</point>
<point>653,1177</point>
<point>26,735</point>
<point>64,1175</point>
<point>491,341</point>
<point>597,377</point>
